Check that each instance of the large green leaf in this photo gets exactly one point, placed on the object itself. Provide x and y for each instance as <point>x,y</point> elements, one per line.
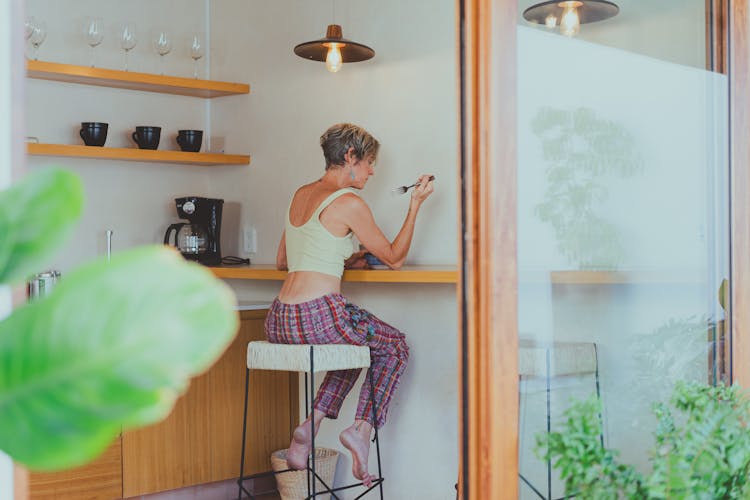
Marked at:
<point>111,347</point>
<point>35,216</point>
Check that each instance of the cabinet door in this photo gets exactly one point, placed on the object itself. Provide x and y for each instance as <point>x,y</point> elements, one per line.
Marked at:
<point>98,480</point>
<point>173,453</point>
<point>273,407</point>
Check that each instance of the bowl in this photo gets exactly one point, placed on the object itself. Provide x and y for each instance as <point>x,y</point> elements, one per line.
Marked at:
<point>374,262</point>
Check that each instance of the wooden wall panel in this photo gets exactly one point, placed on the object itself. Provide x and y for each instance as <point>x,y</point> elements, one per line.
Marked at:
<point>99,480</point>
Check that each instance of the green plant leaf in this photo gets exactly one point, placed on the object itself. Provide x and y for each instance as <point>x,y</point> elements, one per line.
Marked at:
<point>111,348</point>
<point>35,216</point>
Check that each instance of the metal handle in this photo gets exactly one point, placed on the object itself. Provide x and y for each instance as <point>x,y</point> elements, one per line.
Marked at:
<point>109,244</point>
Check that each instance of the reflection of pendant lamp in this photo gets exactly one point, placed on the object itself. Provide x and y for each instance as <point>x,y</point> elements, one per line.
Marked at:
<point>570,14</point>
<point>334,49</point>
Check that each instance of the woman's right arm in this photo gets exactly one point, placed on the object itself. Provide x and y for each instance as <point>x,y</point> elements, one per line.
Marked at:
<point>362,223</point>
<point>281,263</point>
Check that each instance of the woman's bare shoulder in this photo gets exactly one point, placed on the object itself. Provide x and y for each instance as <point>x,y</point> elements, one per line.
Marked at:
<point>350,201</point>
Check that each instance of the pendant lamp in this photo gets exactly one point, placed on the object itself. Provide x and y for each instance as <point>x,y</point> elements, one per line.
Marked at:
<point>570,14</point>
<point>334,49</point>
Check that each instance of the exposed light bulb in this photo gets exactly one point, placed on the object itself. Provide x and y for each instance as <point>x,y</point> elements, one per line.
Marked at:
<point>333,58</point>
<point>570,23</point>
<point>550,21</point>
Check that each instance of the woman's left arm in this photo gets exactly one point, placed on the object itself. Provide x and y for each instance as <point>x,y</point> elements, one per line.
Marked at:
<point>281,263</point>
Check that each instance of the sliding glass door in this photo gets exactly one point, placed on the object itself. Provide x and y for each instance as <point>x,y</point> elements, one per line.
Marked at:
<point>623,220</point>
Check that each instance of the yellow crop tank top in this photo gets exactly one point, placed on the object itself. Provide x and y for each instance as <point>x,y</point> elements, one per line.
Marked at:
<point>311,247</point>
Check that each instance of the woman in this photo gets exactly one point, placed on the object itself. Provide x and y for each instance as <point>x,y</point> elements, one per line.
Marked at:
<point>315,246</point>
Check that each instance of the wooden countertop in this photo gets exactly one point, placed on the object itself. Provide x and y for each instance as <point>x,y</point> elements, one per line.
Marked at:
<point>407,274</point>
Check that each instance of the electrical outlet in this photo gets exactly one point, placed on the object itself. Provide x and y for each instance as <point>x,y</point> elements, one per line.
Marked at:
<point>250,240</point>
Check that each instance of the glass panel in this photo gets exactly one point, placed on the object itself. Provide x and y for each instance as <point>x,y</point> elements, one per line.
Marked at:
<point>622,224</point>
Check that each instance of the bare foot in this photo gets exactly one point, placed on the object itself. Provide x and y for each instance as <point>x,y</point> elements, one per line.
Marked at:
<point>356,439</point>
<point>299,448</point>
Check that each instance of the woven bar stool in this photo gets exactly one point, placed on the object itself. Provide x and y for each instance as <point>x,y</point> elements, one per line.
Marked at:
<point>309,359</point>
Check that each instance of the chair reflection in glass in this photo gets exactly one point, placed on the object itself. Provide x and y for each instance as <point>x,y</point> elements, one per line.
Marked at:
<point>549,370</point>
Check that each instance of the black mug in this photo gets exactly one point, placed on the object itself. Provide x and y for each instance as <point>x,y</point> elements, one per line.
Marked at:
<point>93,133</point>
<point>147,137</point>
<point>190,140</point>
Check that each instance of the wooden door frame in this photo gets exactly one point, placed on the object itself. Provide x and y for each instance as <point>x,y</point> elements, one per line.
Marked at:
<point>739,152</point>
<point>488,389</point>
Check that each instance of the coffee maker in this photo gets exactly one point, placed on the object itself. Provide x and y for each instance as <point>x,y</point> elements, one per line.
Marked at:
<point>197,239</point>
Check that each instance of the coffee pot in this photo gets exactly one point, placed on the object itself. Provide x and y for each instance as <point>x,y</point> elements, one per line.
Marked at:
<point>199,238</point>
<point>190,239</point>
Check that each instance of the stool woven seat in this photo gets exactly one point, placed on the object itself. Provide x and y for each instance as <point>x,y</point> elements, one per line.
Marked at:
<point>262,355</point>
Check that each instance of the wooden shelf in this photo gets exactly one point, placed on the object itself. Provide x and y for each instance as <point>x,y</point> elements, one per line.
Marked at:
<point>133,154</point>
<point>655,277</point>
<point>134,81</point>
<point>407,274</point>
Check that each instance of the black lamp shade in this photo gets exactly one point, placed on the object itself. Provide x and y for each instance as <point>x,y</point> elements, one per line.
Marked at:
<point>317,50</point>
<point>589,11</point>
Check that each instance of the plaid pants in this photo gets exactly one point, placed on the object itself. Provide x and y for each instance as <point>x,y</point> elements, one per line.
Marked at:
<point>331,319</point>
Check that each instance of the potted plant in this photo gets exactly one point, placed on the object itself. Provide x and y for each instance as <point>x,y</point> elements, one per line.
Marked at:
<point>111,348</point>
<point>701,449</point>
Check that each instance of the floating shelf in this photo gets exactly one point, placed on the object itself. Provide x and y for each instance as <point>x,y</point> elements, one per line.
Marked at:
<point>407,274</point>
<point>132,154</point>
<point>655,277</point>
<point>134,81</point>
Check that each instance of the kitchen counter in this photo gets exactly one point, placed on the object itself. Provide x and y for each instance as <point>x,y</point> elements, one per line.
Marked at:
<point>255,305</point>
<point>407,274</point>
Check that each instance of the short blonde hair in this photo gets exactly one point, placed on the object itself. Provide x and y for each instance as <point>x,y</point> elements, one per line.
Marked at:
<point>337,140</point>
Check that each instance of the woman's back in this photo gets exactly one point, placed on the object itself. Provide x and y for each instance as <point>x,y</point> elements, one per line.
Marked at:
<point>315,249</point>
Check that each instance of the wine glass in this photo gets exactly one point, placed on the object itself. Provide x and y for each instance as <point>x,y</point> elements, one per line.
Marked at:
<point>163,46</point>
<point>37,37</point>
<point>127,40</point>
<point>197,51</point>
<point>29,27</point>
<point>94,34</point>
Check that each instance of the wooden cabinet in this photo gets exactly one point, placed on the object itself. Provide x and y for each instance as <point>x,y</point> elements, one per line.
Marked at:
<point>200,441</point>
<point>273,407</point>
<point>173,453</point>
<point>100,479</point>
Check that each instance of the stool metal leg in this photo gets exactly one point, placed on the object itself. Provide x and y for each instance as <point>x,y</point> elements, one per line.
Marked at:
<point>308,411</point>
<point>244,434</point>
<point>549,428</point>
<point>377,440</point>
<point>379,480</point>
<point>312,419</point>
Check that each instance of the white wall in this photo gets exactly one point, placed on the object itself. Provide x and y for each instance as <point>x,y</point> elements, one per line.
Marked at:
<point>407,97</point>
<point>133,199</point>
